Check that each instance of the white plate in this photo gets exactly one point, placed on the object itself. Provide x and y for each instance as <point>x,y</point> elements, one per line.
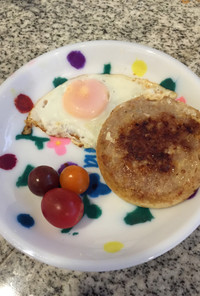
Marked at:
<point>107,242</point>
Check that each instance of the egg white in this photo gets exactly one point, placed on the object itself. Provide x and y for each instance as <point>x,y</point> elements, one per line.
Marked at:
<point>50,115</point>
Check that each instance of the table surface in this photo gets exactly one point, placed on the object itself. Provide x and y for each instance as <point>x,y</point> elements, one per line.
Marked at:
<point>31,28</point>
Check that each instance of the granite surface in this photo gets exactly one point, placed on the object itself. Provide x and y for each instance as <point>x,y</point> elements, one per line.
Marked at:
<point>30,28</point>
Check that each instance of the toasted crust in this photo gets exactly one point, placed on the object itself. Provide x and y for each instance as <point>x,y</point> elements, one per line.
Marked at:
<point>148,152</point>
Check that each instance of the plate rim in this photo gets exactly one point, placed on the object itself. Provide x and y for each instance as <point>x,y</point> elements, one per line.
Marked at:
<point>112,266</point>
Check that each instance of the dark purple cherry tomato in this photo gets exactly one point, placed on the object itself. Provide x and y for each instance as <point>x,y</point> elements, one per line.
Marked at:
<point>42,179</point>
<point>62,207</point>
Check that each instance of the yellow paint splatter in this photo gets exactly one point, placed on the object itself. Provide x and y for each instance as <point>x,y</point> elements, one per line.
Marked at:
<point>58,143</point>
<point>113,247</point>
<point>13,92</point>
<point>139,68</point>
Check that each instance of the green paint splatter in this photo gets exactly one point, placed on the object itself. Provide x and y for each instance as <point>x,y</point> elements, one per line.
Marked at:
<point>39,141</point>
<point>66,230</point>
<point>91,210</point>
<point>58,81</point>
<point>107,69</point>
<point>75,233</point>
<point>168,84</point>
<point>23,179</point>
<point>138,215</point>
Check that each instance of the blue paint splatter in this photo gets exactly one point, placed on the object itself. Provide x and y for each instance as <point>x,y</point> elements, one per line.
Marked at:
<point>90,159</point>
<point>90,150</point>
<point>25,220</point>
<point>76,59</point>
<point>96,187</point>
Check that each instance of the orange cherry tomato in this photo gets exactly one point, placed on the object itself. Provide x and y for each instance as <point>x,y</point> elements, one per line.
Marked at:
<point>74,178</point>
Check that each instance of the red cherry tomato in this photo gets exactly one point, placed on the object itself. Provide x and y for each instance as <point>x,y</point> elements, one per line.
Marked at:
<point>62,207</point>
<point>75,178</point>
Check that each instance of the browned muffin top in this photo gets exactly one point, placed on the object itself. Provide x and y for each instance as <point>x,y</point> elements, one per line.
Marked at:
<point>148,151</point>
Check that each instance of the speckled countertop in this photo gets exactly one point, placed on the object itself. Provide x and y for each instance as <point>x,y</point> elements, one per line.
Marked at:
<point>30,28</point>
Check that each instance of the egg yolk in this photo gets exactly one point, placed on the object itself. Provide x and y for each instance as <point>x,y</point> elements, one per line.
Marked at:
<point>85,98</point>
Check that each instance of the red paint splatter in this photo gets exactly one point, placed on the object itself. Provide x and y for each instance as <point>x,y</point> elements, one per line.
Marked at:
<point>8,161</point>
<point>23,103</point>
<point>181,99</point>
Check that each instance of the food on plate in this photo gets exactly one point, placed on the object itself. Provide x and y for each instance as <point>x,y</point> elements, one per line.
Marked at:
<point>41,179</point>
<point>148,151</point>
<point>78,107</point>
<point>62,208</point>
<point>75,178</point>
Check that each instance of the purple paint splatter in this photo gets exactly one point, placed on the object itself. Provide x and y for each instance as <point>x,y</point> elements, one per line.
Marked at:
<point>76,59</point>
<point>8,161</point>
<point>64,165</point>
<point>193,195</point>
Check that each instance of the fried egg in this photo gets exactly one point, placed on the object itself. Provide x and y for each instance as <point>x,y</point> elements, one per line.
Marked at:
<point>78,108</point>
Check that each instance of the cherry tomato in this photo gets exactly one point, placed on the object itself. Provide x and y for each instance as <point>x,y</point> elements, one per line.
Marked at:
<point>62,207</point>
<point>75,178</point>
<point>42,179</point>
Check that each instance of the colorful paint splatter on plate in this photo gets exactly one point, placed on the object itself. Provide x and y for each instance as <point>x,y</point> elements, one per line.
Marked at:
<point>112,233</point>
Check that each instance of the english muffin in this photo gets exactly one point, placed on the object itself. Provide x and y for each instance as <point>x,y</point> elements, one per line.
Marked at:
<point>148,151</point>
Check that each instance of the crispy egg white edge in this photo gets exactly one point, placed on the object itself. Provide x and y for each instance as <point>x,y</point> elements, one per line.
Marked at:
<point>57,121</point>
